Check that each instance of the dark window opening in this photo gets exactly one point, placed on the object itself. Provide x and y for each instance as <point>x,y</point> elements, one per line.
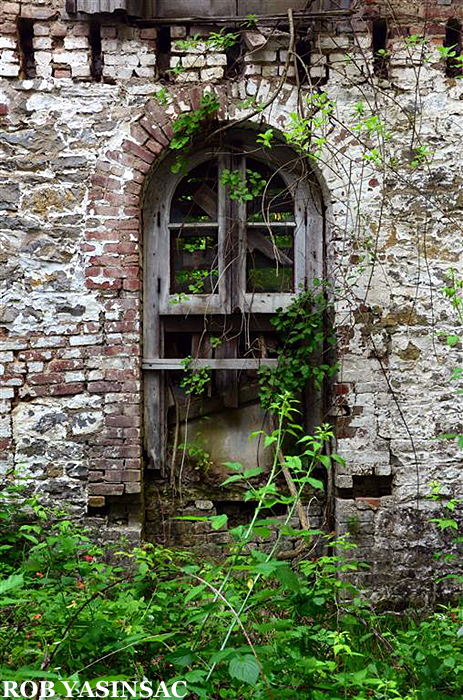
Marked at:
<point>96,65</point>
<point>26,47</point>
<point>380,54</point>
<point>452,43</point>
<point>367,486</point>
<point>164,47</point>
<point>241,512</point>
<point>235,60</point>
<point>303,51</point>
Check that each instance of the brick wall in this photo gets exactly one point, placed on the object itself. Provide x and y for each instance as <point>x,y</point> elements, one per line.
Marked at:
<point>77,144</point>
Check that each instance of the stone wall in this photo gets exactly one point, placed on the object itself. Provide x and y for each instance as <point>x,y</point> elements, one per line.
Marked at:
<point>85,113</point>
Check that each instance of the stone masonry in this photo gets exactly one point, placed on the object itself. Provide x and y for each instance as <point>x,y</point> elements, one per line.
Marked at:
<point>86,111</point>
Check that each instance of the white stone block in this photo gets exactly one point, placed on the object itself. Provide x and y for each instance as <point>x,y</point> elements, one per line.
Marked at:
<point>109,45</point>
<point>42,42</point>
<point>216,59</point>
<point>148,59</point>
<point>261,57</point>
<point>317,72</point>
<point>193,61</point>
<point>270,71</point>
<point>123,73</point>
<point>72,58</point>
<point>80,71</point>
<point>7,42</point>
<point>75,42</point>
<point>252,69</point>
<point>44,70</point>
<point>9,70</point>
<point>328,43</point>
<point>8,57</point>
<point>144,72</point>
<point>211,74</point>
<point>191,76</point>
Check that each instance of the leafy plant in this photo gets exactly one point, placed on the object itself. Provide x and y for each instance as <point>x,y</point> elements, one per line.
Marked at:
<point>242,189</point>
<point>194,380</point>
<point>303,329</point>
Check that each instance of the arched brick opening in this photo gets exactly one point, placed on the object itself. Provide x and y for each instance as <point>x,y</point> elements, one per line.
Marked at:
<point>112,256</point>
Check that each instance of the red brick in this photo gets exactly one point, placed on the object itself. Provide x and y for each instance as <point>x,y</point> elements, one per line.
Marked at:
<point>103,210</point>
<point>101,387</point>
<point>131,285</point>
<point>154,131</point>
<point>81,29</point>
<point>102,235</point>
<point>108,464</point>
<point>103,260</point>
<point>46,378</point>
<point>154,146</point>
<point>133,187</point>
<point>108,32</point>
<point>150,33</point>
<point>93,272</point>
<point>138,151</point>
<point>342,389</point>
<point>96,501</point>
<point>131,475</point>
<point>109,284</point>
<point>95,476</point>
<point>113,476</point>
<point>105,489</point>
<point>67,389</point>
<point>138,134</point>
<point>122,421</point>
<point>133,464</point>
<point>3,109</point>
<point>63,365</point>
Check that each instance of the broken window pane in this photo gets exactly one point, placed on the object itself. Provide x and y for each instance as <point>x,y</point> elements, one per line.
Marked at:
<point>194,233</point>
<point>194,255</point>
<point>195,199</point>
<point>269,259</point>
<point>273,200</point>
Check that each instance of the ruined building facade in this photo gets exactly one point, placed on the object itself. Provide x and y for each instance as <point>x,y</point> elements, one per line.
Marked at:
<point>95,224</point>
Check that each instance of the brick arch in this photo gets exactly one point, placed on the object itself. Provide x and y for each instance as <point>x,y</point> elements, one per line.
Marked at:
<point>111,257</point>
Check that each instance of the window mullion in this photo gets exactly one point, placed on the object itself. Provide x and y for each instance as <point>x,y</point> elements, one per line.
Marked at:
<point>224,218</point>
<point>239,217</point>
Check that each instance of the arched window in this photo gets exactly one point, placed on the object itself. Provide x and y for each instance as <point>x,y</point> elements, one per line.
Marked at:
<point>227,243</point>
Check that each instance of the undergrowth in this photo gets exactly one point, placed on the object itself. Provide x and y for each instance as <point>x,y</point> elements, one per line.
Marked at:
<point>251,625</point>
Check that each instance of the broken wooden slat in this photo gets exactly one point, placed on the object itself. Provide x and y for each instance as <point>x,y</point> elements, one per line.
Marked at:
<point>256,241</point>
<point>161,363</point>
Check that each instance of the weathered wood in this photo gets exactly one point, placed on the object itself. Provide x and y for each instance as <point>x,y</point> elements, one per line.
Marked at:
<point>188,8</point>
<point>227,381</point>
<point>242,363</point>
<point>270,7</point>
<point>256,241</point>
<point>132,7</point>
<point>205,198</point>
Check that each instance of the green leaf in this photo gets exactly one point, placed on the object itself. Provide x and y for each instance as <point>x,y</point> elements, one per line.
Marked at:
<point>13,581</point>
<point>236,466</point>
<point>244,668</point>
<point>232,478</point>
<point>269,440</point>
<point>219,521</point>
<point>453,340</point>
<point>315,483</point>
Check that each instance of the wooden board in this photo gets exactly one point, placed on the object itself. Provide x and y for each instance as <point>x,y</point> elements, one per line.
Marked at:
<point>161,363</point>
<point>190,8</point>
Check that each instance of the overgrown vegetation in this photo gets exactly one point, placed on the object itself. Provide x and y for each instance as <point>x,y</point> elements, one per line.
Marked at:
<point>249,626</point>
<point>252,625</point>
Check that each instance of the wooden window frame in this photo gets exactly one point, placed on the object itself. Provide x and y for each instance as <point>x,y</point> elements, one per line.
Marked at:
<point>232,296</point>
